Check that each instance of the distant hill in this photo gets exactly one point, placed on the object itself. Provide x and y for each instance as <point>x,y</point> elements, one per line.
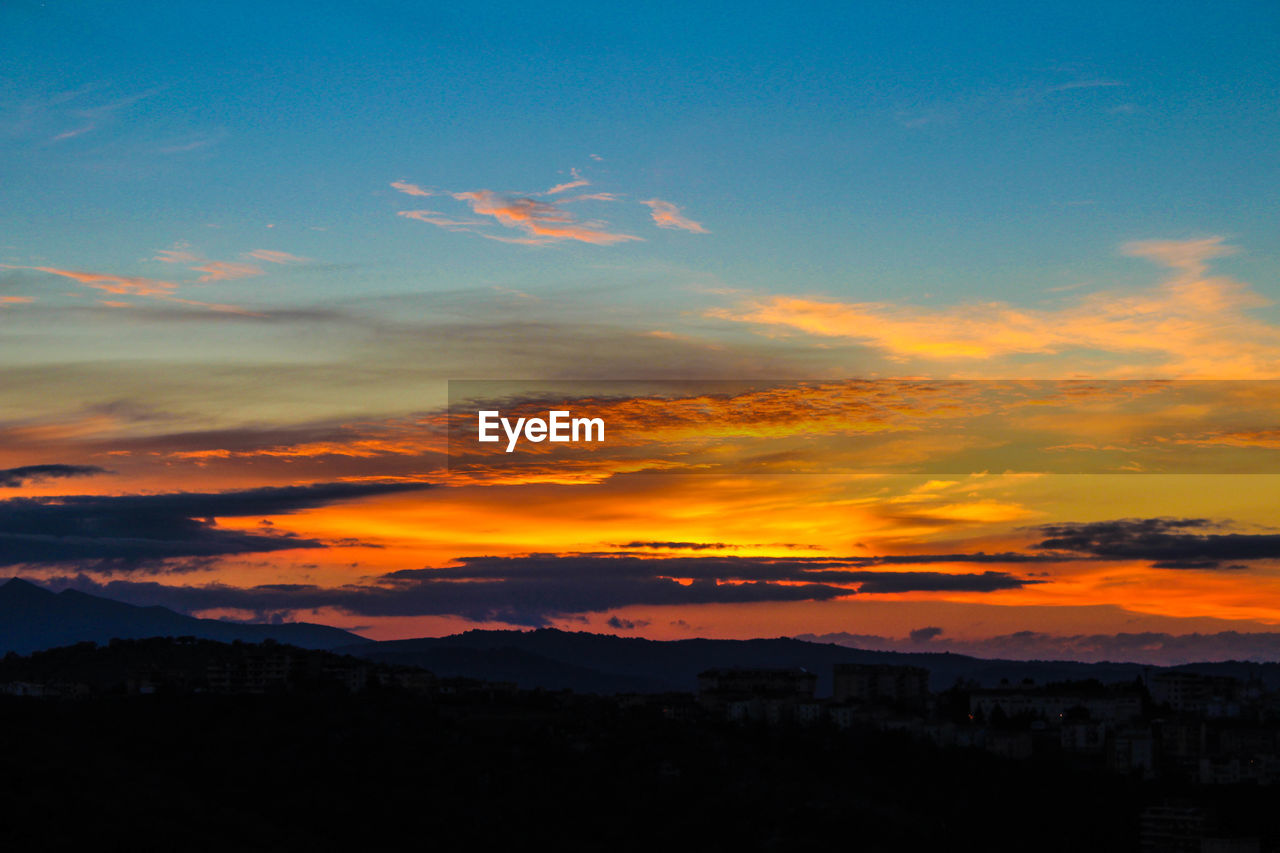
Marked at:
<point>33,618</point>
<point>603,663</point>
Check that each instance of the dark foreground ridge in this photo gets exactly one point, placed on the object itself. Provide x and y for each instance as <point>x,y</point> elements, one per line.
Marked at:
<point>191,744</point>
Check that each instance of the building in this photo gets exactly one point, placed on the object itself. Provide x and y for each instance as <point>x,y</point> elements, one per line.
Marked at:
<point>756,694</point>
<point>1171,829</point>
<point>1193,693</point>
<point>1109,705</point>
<point>881,683</point>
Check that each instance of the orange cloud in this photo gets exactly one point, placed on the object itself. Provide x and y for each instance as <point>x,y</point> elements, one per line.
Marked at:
<point>1190,326</point>
<point>226,271</point>
<point>667,215</point>
<point>383,442</point>
<point>1267,438</point>
<point>542,222</point>
<point>117,284</point>
<point>15,300</point>
<point>274,257</point>
<point>545,223</point>
<point>136,286</point>
<point>411,189</point>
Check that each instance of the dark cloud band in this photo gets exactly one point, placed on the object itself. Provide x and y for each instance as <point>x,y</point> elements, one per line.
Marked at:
<point>129,531</point>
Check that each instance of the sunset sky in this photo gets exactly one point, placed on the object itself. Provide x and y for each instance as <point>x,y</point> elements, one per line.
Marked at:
<point>244,249</point>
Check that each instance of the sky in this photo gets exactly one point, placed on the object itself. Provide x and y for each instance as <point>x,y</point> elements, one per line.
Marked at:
<point>918,326</point>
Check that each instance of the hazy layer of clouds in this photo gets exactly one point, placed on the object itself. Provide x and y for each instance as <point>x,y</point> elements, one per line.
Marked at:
<point>1151,647</point>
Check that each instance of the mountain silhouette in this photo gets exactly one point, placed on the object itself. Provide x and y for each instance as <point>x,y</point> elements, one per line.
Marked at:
<point>33,618</point>
<point>603,663</point>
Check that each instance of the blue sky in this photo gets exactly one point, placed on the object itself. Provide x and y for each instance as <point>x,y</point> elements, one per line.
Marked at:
<point>922,151</point>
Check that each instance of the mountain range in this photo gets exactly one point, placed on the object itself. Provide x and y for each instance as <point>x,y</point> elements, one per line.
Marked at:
<point>33,618</point>
<point>604,663</point>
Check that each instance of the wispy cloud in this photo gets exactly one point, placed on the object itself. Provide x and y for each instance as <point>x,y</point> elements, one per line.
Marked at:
<point>182,253</point>
<point>226,271</point>
<point>432,217</point>
<point>1191,325</point>
<point>539,219</point>
<point>121,285</point>
<point>578,181</point>
<point>1187,256</point>
<point>177,255</point>
<point>118,284</point>
<point>667,215</point>
<point>1084,84</point>
<point>541,222</point>
<point>590,197</point>
<point>72,134</point>
<point>411,189</point>
<point>90,118</point>
<point>273,257</point>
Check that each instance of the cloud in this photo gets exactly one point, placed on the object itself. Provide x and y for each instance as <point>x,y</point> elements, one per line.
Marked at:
<point>620,624</point>
<point>540,222</point>
<point>274,257</point>
<point>432,217</point>
<point>226,271</point>
<point>578,181</point>
<point>543,222</point>
<point>411,189</point>
<point>537,588</point>
<point>16,300</point>
<point>768,570</point>
<point>859,425</point>
<point>1192,325</point>
<point>117,284</point>
<point>12,477</point>
<point>667,215</point>
<point>75,108</point>
<point>126,532</point>
<point>515,601</point>
<point>181,253</point>
<point>1147,647</point>
<point>1170,543</point>
<point>686,546</point>
<point>1084,84</point>
<point>924,635</point>
<point>72,134</point>
<point>176,255</point>
<point>135,286</point>
<point>1187,256</point>
<point>590,197</point>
